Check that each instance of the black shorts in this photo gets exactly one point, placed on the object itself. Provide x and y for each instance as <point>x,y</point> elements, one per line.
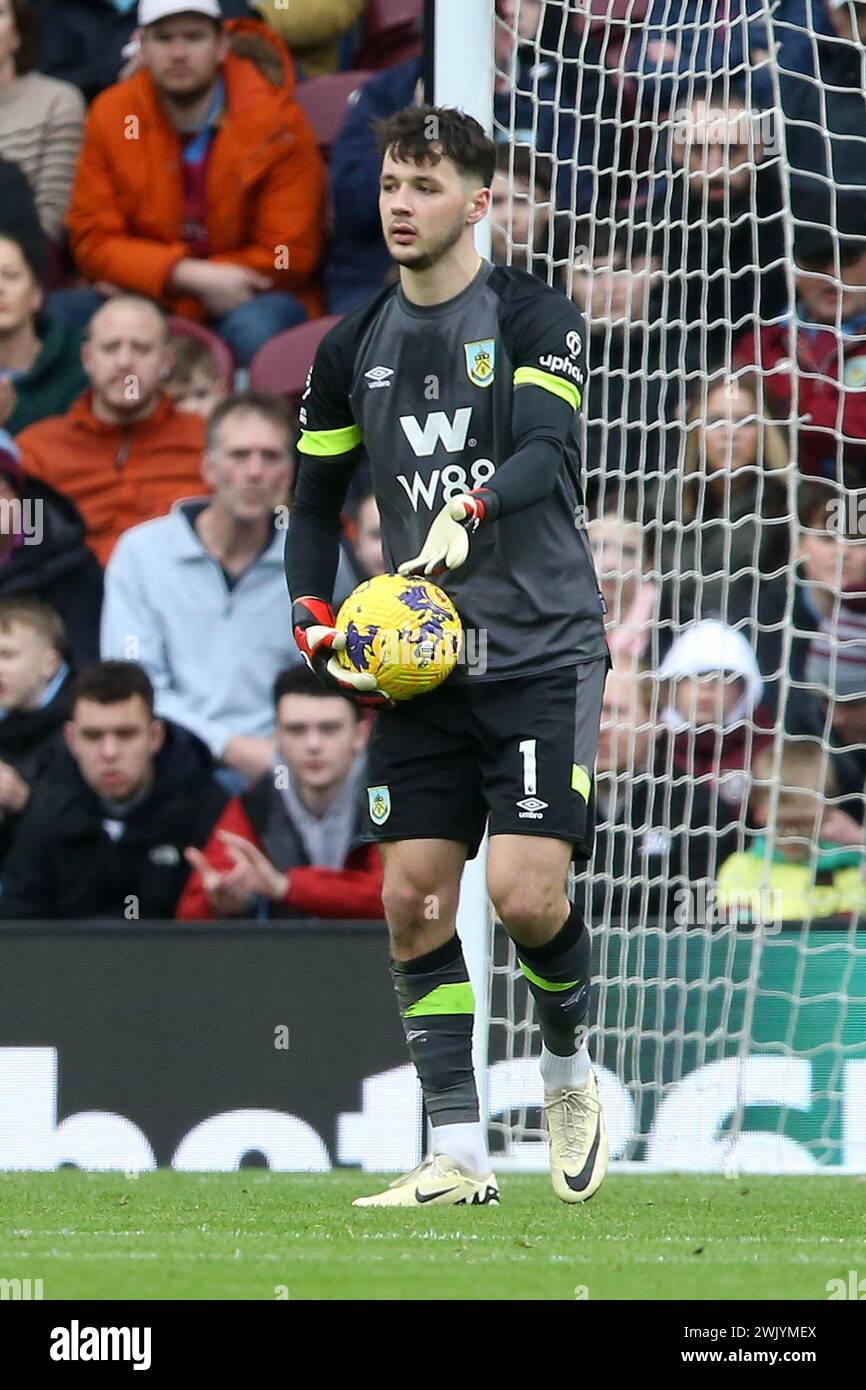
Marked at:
<point>519,751</point>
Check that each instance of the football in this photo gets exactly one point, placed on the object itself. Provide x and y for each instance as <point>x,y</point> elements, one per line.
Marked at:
<point>405,631</point>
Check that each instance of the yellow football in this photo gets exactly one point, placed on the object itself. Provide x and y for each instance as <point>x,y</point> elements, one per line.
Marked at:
<point>405,631</point>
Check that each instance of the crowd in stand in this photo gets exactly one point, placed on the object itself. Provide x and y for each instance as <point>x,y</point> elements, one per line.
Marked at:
<point>695,181</point>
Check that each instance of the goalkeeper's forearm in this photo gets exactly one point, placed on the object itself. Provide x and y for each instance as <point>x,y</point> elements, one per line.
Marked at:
<point>542,424</point>
<point>313,538</point>
<point>527,477</point>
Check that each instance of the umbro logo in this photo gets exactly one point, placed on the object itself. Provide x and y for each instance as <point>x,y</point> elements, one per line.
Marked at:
<point>379,376</point>
<point>532,808</point>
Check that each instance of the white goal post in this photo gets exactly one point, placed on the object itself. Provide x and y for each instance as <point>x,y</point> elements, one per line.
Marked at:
<point>720,1045</point>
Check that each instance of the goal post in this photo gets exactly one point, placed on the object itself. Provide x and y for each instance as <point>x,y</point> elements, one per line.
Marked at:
<point>721,1043</point>
<point>459,60</point>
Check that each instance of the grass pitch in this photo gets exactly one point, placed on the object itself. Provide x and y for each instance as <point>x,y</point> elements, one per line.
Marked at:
<point>261,1235</point>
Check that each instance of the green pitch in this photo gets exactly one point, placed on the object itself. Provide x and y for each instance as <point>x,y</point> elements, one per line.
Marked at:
<point>261,1235</point>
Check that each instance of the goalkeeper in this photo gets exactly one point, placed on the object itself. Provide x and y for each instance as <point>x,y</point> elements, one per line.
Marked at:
<point>462,384</point>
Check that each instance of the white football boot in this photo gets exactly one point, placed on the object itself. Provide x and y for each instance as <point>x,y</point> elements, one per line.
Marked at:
<point>440,1182</point>
<point>578,1141</point>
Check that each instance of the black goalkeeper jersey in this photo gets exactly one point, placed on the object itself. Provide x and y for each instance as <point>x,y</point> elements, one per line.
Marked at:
<point>429,393</point>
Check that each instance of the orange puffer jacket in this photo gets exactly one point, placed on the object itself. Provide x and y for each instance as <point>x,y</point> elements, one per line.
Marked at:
<point>265,183</point>
<point>117,475</point>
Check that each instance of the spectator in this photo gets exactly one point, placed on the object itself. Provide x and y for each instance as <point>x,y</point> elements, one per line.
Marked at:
<point>312,31</point>
<point>837,674</point>
<point>630,595</point>
<point>199,596</point>
<point>714,708</point>
<point>291,845</point>
<point>630,413</point>
<point>34,703</point>
<point>813,866</point>
<point>800,615</point>
<point>123,453</point>
<point>19,218</point>
<point>43,554</point>
<point>828,335</point>
<point>520,210</point>
<point>104,834</point>
<point>828,651</point>
<point>531,110</point>
<point>194,382</point>
<point>725,518</point>
<point>358,259</point>
<point>219,137</point>
<point>829,579</point>
<point>555,94</point>
<point>41,119</point>
<point>681,40</point>
<point>658,835</point>
<point>722,219</point>
<point>365,538</point>
<point>87,41</point>
<point>822,101</point>
<point>40,358</point>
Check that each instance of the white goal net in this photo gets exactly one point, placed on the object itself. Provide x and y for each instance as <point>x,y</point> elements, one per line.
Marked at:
<point>694,175</point>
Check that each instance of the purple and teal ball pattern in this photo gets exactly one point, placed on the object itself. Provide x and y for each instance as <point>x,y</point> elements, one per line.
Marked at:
<point>405,631</point>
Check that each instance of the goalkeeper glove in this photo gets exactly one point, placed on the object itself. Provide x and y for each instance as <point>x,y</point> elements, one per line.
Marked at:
<point>318,639</point>
<point>447,542</point>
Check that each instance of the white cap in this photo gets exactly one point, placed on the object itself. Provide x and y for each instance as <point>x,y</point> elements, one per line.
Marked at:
<point>710,645</point>
<point>149,11</point>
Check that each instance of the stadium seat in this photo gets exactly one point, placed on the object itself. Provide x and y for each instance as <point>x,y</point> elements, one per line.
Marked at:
<point>220,350</point>
<point>391,33</point>
<point>281,366</point>
<point>325,100</point>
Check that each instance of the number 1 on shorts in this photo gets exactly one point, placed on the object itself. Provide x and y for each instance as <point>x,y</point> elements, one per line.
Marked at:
<point>530,776</point>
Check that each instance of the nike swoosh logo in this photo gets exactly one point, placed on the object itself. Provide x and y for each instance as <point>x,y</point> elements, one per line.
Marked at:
<point>429,1196</point>
<point>581,1179</point>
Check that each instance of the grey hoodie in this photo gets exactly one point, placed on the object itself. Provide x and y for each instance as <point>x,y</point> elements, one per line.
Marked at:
<point>211,651</point>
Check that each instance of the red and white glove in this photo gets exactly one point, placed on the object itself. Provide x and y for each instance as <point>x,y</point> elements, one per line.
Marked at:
<point>318,640</point>
<point>447,543</point>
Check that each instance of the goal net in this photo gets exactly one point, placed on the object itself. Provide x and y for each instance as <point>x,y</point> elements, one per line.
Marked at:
<point>691,173</point>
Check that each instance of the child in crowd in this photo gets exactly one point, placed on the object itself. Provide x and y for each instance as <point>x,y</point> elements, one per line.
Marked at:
<point>34,701</point>
<point>714,708</point>
<point>631,598</point>
<point>195,382</point>
<point>814,867</point>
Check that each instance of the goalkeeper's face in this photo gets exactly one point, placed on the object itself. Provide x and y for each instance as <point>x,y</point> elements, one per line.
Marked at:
<point>427,209</point>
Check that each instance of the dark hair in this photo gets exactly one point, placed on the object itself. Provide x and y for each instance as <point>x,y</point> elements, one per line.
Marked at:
<point>627,239</point>
<point>300,680</point>
<point>190,355</point>
<point>522,163</point>
<point>427,134</point>
<point>32,251</point>
<point>262,403</point>
<point>813,498</point>
<point>26,21</point>
<point>32,612</point>
<point>109,682</point>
